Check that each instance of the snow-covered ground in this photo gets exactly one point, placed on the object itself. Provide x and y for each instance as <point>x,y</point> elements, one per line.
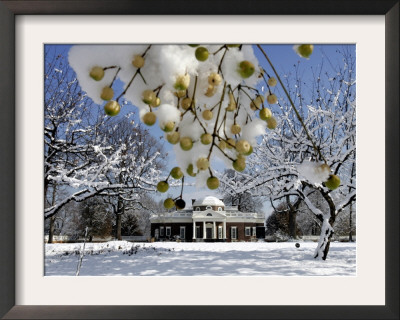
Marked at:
<point>122,258</point>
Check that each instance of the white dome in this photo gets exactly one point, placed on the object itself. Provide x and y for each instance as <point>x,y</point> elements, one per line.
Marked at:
<point>208,201</point>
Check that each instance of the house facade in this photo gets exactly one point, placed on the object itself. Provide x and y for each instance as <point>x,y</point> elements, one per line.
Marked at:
<point>208,220</point>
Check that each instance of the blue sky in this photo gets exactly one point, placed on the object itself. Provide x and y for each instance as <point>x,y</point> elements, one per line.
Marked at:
<point>284,59</point>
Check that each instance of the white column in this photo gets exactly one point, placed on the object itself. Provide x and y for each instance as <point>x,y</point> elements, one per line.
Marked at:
<point>204,229</point>
<point>194,230</point>
<point>224,230</point>
<point>214,230</point>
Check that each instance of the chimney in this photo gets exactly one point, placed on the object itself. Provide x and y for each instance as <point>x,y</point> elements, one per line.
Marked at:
<point>193,200</point>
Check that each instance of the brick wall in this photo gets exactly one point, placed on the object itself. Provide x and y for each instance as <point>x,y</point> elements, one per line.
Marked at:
<point>175,229</point>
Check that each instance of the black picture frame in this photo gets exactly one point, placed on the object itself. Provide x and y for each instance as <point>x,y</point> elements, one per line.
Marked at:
<point>8,11</point>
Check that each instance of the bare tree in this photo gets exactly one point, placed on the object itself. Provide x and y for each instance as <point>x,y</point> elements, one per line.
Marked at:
<point>329,118</point>
<point>231,189</point>
<point>137,170</point>
<point>71,122</point>
<point>318,126</point>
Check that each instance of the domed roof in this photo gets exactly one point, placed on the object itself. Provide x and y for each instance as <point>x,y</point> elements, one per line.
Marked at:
<point>208,201</point>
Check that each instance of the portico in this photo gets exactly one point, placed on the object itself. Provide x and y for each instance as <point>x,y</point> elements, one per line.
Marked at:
<point>209,226</point>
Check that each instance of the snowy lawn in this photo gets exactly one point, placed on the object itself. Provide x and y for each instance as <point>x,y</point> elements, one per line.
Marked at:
<point>121,258</point>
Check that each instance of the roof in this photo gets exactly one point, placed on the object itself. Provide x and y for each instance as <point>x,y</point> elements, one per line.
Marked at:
<point>208,201</point>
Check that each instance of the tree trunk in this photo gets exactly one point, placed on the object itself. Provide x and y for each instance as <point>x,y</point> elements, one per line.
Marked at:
<point>118,231</point>
<point>51,230</point>
<point>292,224</point>
<point>52,218</point>
<point>350,223</point>
<point>46,185</point>
<point>351,206</point>
<point>327,231</point>
<point>119,213</point>
<point>293,216</point>
<point>324,242</point>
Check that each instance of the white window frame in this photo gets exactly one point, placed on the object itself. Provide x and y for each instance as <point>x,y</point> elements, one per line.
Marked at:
<point>219,209</point>
<point>208,208</point>
<point>184,232</point>
<point>162,232</point>
<point>167,231</point>
<point>234,228</point>
<point>254,231</point>
<point>220,233</point>
<point>198,209</point>
<point>247,231</point>
<point>156,233</point>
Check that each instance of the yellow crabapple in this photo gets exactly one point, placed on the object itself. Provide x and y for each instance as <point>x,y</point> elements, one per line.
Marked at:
<point>272,98</point>
<point>112,108</point>
<point>97,73</point>
<point>163,186</point>
<point>138,61</point>
<point>206,138</point>
<point>176,173</point>
<point>246,69</point>
<point>186,143</point>
<point>107,93</point>
<point>202,164</point>
<point>242,146</point>
<point>173,137</point>
<point>207,114</point>
<point>271,123</point>
<point>265,113</point>
<point>182,82</point>
<point>149,118</point>
<point>169,203</point>
<point>148,96</point>
<point>272,82</point>
<point>212,183</point>
<point>333,182</point>
<point>201,53</point>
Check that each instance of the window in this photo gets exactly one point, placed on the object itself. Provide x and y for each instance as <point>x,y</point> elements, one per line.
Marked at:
<point>198,209</point>
<point>247,231</point>
<point>156,233</point>
<point>219,232</point>
<point>161,231</point>
<point>209,215</point>
<point>233,232</point>
<point>254,231</point>
<point>168,231</point>
<point>208,207</point>
<point>219,209</point>
<point>182,232</point>
<point>198,234</point>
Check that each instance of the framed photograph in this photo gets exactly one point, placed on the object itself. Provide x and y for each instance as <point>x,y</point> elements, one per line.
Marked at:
<point>27,27</point>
